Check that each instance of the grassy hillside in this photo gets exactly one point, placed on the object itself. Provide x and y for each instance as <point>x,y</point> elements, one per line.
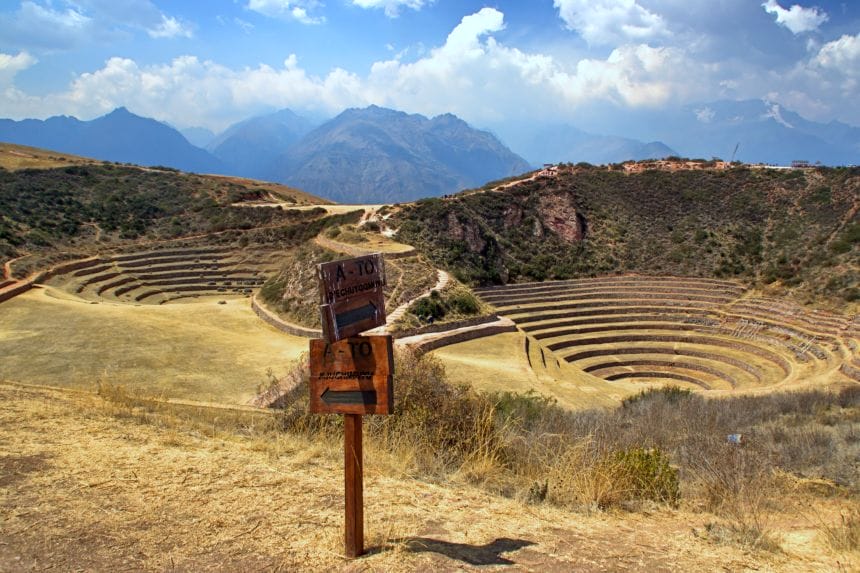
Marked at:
<point>795,231</point>
<point>15,157</point>
<point>81,209</point>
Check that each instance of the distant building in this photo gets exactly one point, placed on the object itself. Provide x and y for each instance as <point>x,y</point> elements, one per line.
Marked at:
<point>800,164</point>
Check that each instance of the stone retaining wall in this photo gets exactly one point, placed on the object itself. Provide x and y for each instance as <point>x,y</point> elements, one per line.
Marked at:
<point>433,328</point>
<point>66,268</point>
<point>269,317</point>
<point>454,337</point>
<point>14,291</point>
<point>851,371</point>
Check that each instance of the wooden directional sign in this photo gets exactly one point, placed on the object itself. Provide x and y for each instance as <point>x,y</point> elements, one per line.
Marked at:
<point>351,297</point>
<point>352,376</point>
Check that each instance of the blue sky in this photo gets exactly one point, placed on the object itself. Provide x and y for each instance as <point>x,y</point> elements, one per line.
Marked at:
<point>492,63</point>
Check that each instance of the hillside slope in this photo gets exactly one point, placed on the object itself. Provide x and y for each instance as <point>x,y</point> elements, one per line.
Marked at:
<point>89,207</point>
<point>795,230</point>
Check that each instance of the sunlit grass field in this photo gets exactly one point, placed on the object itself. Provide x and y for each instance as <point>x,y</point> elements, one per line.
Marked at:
<point>201,351</point>
<point>499,364</point>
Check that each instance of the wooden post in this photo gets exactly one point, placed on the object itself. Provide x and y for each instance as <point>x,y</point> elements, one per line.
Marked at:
<point>354,486</point>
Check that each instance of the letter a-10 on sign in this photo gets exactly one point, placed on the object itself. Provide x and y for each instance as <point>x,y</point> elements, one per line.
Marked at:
<point>351,297</point>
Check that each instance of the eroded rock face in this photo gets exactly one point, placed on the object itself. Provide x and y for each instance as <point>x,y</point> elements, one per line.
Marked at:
<point>559,214</point>
<point>513,215</point>
<point>467,232</point>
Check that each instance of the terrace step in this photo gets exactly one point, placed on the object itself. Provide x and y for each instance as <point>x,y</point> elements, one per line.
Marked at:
<point>611,280</point>
<point>585,299</point>
<point>540,317</point>
<point>168,253</point>
<point>667,303</point>
<point>659,376</point>
<point>555,293</point>
<point>605,368</point>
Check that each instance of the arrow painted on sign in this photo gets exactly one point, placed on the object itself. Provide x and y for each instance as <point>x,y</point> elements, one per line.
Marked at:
<point>348,396</point>
<point>356,315</point>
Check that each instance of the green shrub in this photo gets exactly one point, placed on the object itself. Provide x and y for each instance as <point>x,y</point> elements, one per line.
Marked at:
<point>429,306</point>
<point>648,475</point>
<point>464,303</point>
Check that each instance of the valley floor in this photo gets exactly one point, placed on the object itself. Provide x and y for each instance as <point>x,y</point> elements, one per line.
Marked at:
<point>92,484</point>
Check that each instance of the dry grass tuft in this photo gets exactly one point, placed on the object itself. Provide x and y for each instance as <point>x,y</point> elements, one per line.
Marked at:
<point>844,536</point>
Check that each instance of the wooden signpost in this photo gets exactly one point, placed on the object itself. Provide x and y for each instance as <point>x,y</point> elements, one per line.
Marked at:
<point>352,375</point>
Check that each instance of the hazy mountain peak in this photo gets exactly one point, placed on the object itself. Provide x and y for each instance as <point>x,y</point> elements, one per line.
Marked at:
<point>376,154</point>
<point>117,136</point>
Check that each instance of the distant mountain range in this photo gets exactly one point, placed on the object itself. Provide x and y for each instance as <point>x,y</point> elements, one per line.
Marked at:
<point>565,143</point>
<point>381,155</point>
<point>362,155</point>
<point>118,136</point>
<point>762,131</point>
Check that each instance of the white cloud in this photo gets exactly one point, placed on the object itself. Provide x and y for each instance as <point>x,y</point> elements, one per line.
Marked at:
<point>841,55</point>
<point>41,25</point>
<point>36,26</point>
<point>11,65</point>
<point>705,115</point>
<point>470,74</point>
<point>602,22</point>
<point>392,7</point>
<point>169,28</point>
<point>298,10</point>
<point>797,18</point>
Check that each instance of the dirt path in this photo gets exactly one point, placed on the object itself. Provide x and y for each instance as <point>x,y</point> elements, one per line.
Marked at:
<point>443,278</point>
<point>537,174</point>
<point>7,266</point>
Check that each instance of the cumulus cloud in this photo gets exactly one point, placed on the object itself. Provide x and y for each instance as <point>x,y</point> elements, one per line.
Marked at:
<point>603,22</point>
<point>842,55</point>
<point>797,18</point>
<point>392,7</point>
<point>11,65</point>
<point>471,74</point>
<point>298,10</point>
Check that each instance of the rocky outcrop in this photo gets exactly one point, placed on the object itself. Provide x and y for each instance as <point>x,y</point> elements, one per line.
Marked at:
<point>467,232</point>
<point>559,214</point>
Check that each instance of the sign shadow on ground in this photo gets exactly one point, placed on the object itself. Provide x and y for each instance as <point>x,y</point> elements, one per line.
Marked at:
<point>487,554</point>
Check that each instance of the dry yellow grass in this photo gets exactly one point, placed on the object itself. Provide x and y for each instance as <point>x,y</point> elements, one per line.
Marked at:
<point>15,157</point>
<point>202,351</point>
<point>277,190</point>
<point>87,484</point>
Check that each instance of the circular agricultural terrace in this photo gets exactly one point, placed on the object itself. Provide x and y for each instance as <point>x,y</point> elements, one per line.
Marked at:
<point>166,275</point>
<point>700,333</point>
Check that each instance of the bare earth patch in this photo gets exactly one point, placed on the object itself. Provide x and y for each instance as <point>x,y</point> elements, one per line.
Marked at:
<point>87,485</point>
